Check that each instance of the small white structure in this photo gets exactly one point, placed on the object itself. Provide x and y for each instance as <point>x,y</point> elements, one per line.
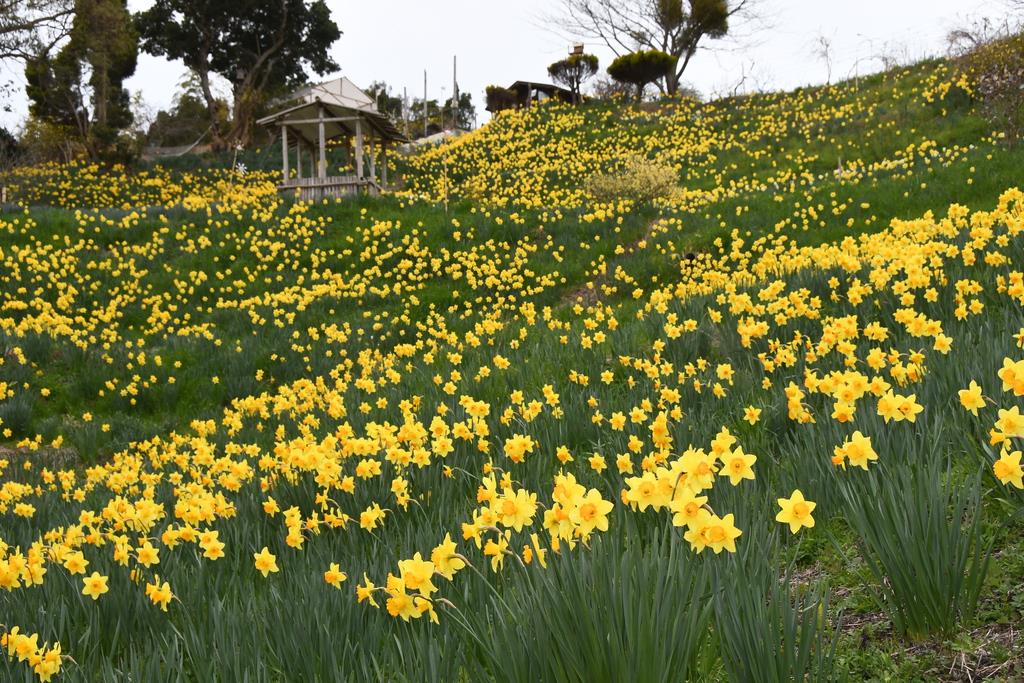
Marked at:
<point>340,91</point>
<point>327,111</point>
<point>438,137</point>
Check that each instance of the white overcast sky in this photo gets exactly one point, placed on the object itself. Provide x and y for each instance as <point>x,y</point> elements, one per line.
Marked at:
<point>500,41</point>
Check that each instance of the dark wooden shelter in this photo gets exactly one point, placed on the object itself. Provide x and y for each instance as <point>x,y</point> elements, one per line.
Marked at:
<point>527,93</point>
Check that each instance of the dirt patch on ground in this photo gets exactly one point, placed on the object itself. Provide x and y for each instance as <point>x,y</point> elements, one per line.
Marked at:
<point>584,295</point>
<point>52,458</point>
<point>987,659</point>
<point>589,293</point>
<point>993,652</point>
<point>990,652</point>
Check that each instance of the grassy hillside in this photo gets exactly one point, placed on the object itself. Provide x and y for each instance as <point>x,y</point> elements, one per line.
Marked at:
<point>492,428</point>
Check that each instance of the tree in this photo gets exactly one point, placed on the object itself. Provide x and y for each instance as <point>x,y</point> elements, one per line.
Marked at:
<point>40,141</point>
<point>464,111</point>
<point>56,93</point>
<point>997,69</point>
<point>29,27</point>
<point>261,47</point>
<point>81,87</point>
<point>420,125</point>
<point>640,68</point>
<point>823,51</point>
<point>572,71</point>
<point>9,151</point>
<point>676,27</point>
<point>387,104</point>
<point>607,88</point>
<point>187,120</point>
<point>499,98</point>
<point>104,38</point>
<point>977,33</point>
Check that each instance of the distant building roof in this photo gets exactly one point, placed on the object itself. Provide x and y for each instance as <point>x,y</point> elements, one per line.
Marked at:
<point>342,101</point>
<point>340,91</point>
<point>439,136</point>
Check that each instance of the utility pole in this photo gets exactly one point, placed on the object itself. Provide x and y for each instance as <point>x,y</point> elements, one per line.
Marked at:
<point>424,103</point>
<point>405,110</point>
<point>455,96</point>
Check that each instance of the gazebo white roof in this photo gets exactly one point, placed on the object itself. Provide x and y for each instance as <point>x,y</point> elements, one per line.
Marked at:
<point>303,118</point>
<point>337,91</point>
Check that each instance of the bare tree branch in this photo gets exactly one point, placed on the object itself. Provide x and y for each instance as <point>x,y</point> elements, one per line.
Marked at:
<point>28,27</point>
<point>676,27</point>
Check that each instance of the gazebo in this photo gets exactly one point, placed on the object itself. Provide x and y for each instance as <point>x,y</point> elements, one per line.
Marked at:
<point>318,114</point>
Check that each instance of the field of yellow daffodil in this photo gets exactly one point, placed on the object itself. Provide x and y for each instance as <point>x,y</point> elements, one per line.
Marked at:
<point>764,428</point>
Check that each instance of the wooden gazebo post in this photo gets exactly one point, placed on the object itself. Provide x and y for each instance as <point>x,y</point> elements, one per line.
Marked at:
<point>373,160</point>
<point>322,170</point>
<point>384,163</point>
<point>284,154</point>
<point>359,148</point>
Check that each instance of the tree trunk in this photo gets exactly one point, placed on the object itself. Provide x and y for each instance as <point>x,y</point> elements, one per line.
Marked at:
<point>216,135</point>
<point>672,83</point>
<point>202,70</point>
<point>675,76</point>
<point>100,94</point>
<point>242,112</point>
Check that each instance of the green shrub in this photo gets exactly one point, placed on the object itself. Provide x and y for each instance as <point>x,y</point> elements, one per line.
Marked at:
<point>640,179</point>
<point>998,72</point>
<point>642,67</point>
<point>499,98</point>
